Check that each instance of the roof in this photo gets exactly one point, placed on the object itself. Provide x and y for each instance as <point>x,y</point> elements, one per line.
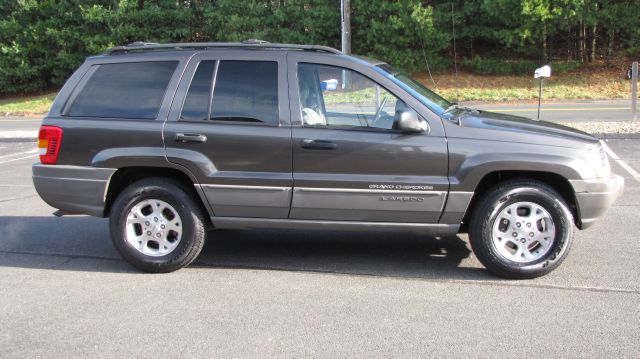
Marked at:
<point>253,44</point>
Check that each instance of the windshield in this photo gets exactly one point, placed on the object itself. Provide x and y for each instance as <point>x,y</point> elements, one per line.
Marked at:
<point>429,98</point>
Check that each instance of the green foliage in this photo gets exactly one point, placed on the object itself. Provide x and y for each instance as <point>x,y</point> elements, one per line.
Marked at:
<point>43,41</point>
<point>494,66</point>
<point>566,66</point>
<point>400,32</point>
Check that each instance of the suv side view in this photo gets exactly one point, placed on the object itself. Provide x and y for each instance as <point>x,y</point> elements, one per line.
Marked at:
<point>172,140</point>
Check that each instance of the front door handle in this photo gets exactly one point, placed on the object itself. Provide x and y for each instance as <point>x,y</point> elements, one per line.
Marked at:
<point>191,137</point>
<point>318,144</point>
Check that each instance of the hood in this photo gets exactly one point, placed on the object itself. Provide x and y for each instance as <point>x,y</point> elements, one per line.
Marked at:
<point>502,127</point>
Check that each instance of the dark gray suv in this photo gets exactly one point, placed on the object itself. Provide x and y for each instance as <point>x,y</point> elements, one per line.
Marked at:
<point>172,140</point>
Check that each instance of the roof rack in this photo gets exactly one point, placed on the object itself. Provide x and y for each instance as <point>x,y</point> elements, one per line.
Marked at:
<point>247,44</point>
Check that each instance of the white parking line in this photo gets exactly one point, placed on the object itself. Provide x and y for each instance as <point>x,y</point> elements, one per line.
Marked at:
<point>34,150</point>
<point>18,159</point>
<point>622,164</point>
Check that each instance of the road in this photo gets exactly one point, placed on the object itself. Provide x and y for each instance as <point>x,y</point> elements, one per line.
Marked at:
<point>65,292</point>
<point>566,111</point>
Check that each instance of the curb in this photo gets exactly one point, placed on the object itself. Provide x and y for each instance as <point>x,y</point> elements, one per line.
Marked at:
<point>617,136</point>
<point>18,139</point>
<point>19,136</point>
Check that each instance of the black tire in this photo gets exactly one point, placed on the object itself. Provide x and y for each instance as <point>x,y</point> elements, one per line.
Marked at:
<point>193,226</point>
<point>486,212</point>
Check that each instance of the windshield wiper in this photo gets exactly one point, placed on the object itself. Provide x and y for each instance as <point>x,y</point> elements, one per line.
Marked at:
<point>453,106</point>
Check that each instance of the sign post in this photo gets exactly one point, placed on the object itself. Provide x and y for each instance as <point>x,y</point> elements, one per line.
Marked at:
<point>345,20</point>
<point>345,12</point>
<point>634,91</point>
<point>541,73</point>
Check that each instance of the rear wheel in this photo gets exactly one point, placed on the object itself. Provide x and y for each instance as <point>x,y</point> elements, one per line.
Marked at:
<point>157,226</point>
<point>521,229</point>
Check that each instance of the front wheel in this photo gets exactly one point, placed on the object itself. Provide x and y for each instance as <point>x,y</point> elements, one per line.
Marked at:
<point>521,229</point>
<point>157,226</point>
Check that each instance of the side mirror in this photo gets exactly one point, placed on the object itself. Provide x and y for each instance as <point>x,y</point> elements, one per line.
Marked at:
<point>410,122</point>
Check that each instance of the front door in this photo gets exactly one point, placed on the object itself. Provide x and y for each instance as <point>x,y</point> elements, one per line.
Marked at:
<point>350,161</point>
<point>232,131</point>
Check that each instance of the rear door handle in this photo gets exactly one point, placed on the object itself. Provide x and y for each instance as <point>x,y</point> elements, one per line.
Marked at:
<point>191,137</point>
<point>318,144</point>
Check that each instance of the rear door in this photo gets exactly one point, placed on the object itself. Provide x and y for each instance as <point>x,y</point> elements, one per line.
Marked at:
<point>350,161</point>
<point>229,126</point>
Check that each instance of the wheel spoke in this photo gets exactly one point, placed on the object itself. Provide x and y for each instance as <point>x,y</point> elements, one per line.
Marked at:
<point>175,226</point>
<point>143,244</point>
<point>156,208</point>
<point>514,241</point>
<point>162,227</point>
<point>136,212</point>
<point>511,214</point>
<point>167,246</point>
<point>133,220</point>
<point>523,252</point>
<point>537,213</point>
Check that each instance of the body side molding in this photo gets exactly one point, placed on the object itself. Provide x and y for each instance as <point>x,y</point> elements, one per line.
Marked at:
<point>434,229</point>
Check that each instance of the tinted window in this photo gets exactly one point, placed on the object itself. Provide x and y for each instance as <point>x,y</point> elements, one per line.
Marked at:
<point>246,91</point>
<point>196,105</point>
<point>124,90</point>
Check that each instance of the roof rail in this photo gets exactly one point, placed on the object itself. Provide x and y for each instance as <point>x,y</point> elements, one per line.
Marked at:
<point>247,44</point>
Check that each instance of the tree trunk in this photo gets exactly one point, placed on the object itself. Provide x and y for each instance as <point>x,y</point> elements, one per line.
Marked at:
<point>610,46</point>
<point>581,30</point>
<point>140,4</point>
<point>569,42</point>
<point>544,43</point>
<point>593,42</point>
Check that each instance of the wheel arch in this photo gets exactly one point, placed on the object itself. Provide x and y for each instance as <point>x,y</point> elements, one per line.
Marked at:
<point>553,180</point>
<point>125,176</point>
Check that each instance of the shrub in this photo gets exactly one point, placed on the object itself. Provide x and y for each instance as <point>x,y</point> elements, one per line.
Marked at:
<point>493,66</point>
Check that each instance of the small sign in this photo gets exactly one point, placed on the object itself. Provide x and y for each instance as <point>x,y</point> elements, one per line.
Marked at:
<point>544,71</point>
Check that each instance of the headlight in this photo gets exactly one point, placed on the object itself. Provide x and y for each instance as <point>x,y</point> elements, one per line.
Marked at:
<point>599,161</point>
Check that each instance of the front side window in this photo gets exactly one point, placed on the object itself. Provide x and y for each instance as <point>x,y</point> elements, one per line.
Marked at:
<point>335,96</point>
<point>124,90</point>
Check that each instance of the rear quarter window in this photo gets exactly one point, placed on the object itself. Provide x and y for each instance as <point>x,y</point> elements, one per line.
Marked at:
<point>124,90</point>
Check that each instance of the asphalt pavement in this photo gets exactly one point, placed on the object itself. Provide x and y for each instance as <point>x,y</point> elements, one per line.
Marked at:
<point>565,111</point>
<point>65,292</point>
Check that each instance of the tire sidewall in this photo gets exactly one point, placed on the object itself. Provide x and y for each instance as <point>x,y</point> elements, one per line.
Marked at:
<point>174,196</point>
<point>560,215</point>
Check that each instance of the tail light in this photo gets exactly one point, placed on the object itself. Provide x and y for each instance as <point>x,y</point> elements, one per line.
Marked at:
<point>49,139</point>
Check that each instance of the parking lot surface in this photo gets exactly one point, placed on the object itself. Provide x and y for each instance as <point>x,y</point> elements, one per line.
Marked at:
<point>65,292</point>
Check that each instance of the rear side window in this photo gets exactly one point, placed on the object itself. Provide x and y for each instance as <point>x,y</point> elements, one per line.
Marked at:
<point>246,91</point>
<point>124,90</point>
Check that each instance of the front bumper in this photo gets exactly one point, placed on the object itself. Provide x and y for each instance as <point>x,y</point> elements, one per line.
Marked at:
<point>595,196</point>
<point>73,189</point>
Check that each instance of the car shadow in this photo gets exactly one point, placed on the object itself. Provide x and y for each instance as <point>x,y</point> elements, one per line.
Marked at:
<point>82,243</point>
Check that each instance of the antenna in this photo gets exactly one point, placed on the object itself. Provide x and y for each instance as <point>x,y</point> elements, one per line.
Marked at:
<point>455,55</point>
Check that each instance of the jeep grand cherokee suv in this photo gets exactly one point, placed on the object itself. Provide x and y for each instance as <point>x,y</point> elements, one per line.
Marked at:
<point>171,140</point>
